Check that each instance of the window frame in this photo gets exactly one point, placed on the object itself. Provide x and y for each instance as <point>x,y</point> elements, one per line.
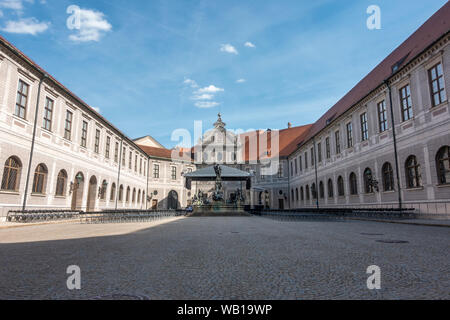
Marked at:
<point>349,127</point>
<point>84,133</point>
<point>8,171</point>
<point>382,116</point>
<point>68,125</point>
<point>364,127</point>
<point>337,137</point>
<point>97,141</point>
<point>412,165</point>
<point>20,107</point>
<point>437,80</point>
<point>442,172</point>
<point>48,114</point>
<point>406,98</point>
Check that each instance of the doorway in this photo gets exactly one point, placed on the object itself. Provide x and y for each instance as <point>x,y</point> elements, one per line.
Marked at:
<point>77,188</point>
<point>92,193</point>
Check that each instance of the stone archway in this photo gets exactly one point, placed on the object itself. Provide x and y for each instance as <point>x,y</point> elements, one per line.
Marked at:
<point>92,193</point>
<point>77,189</point>
<point>172,201</point>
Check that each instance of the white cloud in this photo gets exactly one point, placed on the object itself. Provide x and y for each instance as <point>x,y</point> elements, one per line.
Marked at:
<point>206,104</point>
<point>1,13</point>
<point>204,96</point>
<point>241,81</point>
<point>13,4</point>
<point>97,109</point>
<point>228,48</point>
<point>210,89</point>
<point>249,45</point>
<point>26,26</point>
<point>191,82</point>
<point>92,26</point>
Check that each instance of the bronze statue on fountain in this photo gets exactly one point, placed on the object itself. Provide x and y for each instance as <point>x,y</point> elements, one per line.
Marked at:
<point>218,192</point>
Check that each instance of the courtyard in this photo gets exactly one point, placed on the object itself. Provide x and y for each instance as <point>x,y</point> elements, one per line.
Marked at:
<point>225,258</point>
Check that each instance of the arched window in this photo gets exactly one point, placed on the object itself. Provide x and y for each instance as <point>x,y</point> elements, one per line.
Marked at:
<point>143,198</point>
<point>11,174</point>
<point>353,184</point>
<point>443,165</point>
<point>40,179</point>
<point>321,190</point>
<point>413,176</point>
<point>308,195</point>
<point>113,192</point>
<point>368,179</point>
<point>314,191</point>
<point>302,195</point>
<point>388,177</point>
<point>127,199</point>
<point>139,197</point>
<point>341,188</point>
<point>134,196</point>
<point>296,194</point>
<point>61,183</point>
<point>103,190</point>
<point>330,189</point>
<point>121,193</point>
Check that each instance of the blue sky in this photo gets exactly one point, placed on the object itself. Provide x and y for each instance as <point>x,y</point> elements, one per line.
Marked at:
<point>154,66</point>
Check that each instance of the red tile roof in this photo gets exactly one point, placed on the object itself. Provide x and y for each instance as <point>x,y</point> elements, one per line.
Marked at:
<point>431,31</point>
<point>164,153</point>
<point>289,139</point>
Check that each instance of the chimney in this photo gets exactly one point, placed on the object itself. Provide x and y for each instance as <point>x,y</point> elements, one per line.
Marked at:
<point>289,125</point>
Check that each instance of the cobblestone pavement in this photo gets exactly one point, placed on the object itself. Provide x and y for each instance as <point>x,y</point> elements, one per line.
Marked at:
<point>225,258</point>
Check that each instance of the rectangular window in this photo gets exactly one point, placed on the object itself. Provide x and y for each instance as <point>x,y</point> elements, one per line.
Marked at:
<point>327,147</point>
<point>296,166</point>
<point>174,173</point>
<point>97,141</point>
<point>68,125</point>
<point>338,142</point>
<point>306,160</point>
<point>135,163</point>
<point>130,161</point>
<point>280,171</point>
<point>48,114</point>
<point>300,162</point>
<point>364,127</point>
<point>84,131</point>
<point>312,157</point>
<point>437,87</point>
<point>405,102</point>
<point>319,152</point>
<point>108,145</point>
<point>140,166</point>
<point>156,171</point>
<point>382,116</point>
<point>349,135</point>
<point>292,168</point>
<point>116,153</point>
<point>124,156</point>
<point>22,98</point>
